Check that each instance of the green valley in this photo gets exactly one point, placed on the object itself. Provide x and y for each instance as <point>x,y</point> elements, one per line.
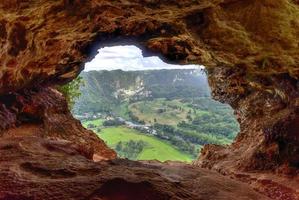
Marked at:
<point>154,115</point>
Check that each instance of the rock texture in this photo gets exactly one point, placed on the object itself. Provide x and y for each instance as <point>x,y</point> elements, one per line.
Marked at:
<point>58,171</point>
<point>43,112</point>
<point>250,49</point>
<point>46,42</point>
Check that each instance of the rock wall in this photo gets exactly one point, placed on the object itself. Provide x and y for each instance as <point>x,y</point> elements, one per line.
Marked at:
<point>250,49</point>
<point>262,88</point>
<point>268,116</point>
<point>43,112</point>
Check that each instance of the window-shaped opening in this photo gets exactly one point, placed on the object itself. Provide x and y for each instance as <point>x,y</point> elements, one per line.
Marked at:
<point>146,109</point>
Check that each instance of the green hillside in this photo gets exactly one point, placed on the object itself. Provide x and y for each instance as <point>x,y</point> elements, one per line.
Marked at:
<point>200,115</point>
<point>170,112</point>
<point>105,90</point>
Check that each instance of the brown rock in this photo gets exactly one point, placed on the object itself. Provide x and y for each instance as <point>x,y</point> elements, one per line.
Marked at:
<point>43,112</point>
<point>58,171</point>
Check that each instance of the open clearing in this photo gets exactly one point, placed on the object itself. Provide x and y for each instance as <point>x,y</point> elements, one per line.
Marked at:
<point>154,150</point>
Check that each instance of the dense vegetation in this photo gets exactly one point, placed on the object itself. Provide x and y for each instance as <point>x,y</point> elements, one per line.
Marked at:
<point>188,123</point>
<point>171,106</point>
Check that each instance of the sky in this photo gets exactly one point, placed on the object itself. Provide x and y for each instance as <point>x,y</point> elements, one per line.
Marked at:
<point>129,58</point>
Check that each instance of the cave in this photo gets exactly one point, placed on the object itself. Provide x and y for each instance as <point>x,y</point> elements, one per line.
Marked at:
<point>250,50</point>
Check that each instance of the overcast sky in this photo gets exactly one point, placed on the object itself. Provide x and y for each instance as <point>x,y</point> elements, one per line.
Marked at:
<point>128,58</point>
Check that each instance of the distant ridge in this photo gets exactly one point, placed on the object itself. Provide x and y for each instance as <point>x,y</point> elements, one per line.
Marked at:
<point>104,90</point>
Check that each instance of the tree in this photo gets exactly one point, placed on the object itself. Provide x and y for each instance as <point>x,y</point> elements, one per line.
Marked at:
<point>119,146</point>
<point>71,91</point>
<point>113,122</point>
<point>90,126</point>
<point>189,118</point>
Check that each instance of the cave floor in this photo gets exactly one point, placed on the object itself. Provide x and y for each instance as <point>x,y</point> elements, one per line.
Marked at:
<point>35,168</point>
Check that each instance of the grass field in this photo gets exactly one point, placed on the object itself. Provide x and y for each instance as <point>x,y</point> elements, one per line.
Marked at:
<point>155,150</point>
<point>96,122</point>
<point>174,111</point>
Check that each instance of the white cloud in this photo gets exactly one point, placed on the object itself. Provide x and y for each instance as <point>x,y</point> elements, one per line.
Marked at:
<point>128,58</point>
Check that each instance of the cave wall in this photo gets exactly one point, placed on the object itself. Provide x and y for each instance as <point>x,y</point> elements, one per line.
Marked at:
<point>43,112</point>
<point>249,47</point>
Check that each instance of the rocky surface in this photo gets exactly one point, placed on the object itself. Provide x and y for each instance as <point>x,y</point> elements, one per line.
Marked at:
<point>250,49</point>
<point>43,112</point>
<point>58,170</point>
<point>47,41</point>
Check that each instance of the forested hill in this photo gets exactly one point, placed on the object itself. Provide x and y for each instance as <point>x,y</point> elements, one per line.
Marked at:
<point>103,90</point>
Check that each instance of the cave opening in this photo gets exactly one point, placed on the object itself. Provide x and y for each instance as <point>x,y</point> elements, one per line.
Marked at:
<point>250,49</point>
<point>147,109</point>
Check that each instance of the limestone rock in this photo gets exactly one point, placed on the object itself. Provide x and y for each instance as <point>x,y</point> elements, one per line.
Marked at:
<point>43,112</point>
<point>59,171</point>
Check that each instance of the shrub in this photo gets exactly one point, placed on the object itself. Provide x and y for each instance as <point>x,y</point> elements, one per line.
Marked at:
<point>71,91</point>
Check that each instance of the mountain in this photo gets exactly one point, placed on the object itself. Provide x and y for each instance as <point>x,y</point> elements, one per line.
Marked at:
<point>104,90</point>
